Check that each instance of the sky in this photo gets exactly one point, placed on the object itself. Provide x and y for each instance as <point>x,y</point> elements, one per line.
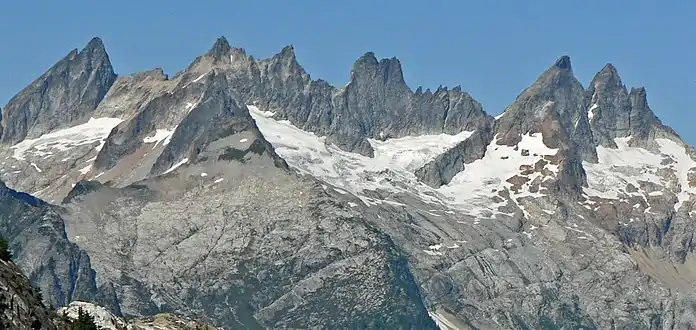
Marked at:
<point>493,49</point>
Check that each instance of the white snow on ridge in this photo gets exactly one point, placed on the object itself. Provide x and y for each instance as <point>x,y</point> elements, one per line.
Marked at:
<point>395,159</point>
<point>629,165</point>
<point>619,167</point>
<point>95,130</point>
<point>683,163</point>
<point>471,189</point>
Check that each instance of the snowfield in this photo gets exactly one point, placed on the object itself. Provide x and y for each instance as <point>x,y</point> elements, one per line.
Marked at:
<point>95,130</point>
<point>396,160</point>
<point>617,168</point>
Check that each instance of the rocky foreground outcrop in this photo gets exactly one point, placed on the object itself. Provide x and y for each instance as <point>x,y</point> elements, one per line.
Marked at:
<point>21,307</point>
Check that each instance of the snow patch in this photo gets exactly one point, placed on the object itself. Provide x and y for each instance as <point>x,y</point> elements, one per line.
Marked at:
<point>160,135</point>
<point>590,112</point>
<point>435,247</point>
<point>199,78</point>
<point>391,169</point>
<point>36,167</point>
<point>95,130</point>
<point>617,168</point>
<point>175,166</point>
<point>471,189</point>
<point>86,169</point>
<point>681,168</point>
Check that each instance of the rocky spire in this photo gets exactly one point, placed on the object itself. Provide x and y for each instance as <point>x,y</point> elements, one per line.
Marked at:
<point>557,86</point>
<point>285,66</point>
<point>615,112</point>
<point>553,106</point>
<point>364,66</point>
<point>608,76</point>
<point>563,62</point>
<point>376,102</point>
<point>385,71</point>
<point>288,52</point>
<point>608,106</point>
<point>95,49</point>
<point>645,126</point>
<point>220,49</point>
<point>69,91</point>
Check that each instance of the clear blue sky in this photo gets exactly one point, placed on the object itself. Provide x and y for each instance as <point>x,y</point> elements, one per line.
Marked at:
<point>494,49</point>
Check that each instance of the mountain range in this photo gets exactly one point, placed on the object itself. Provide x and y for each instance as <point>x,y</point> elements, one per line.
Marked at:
<point>244,193</point>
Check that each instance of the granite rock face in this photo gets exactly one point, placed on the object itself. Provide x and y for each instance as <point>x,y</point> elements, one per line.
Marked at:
<point>376,102</point>
<point>21,307</point>
<point>37,238</point>
<point>552,106</point>
<point>68,92</point>
<point>242,240</point>
<point>20,304</point>
<point>245,193</point>
<point>616,112</point>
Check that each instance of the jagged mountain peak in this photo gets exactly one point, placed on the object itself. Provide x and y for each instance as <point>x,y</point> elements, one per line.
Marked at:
<point>347,116</point>
<point>390,70</point>
<point>550,111</point>
<point>368,58</point>
<point>615,112</point>
<point>366,63</point>
<point>183,196</point>
<point>563,62</point>
<point>68,92</point>
<point>95,47</point>
<point>639,96</point>
<point>608,77</point>
<point>558,76</point>
<point>557,89</point>
<point>387,70</point>
<point>609,69</point>
<point>191,114</point>
<point>215,129</point>
<point>221,48</point>
<point>288,51</point>
<point>286,65</point>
